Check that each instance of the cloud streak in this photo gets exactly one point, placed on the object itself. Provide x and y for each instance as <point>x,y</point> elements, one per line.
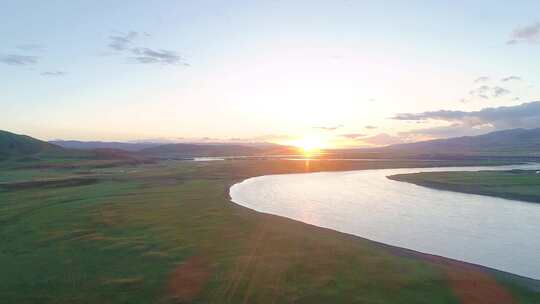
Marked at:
<point>487,92</point>
<point>122,42</point>
<point>147,55</point>
<point>328,128</point>
<point>353,135</point>
<point>53,73</point>
<point>526,34</point>
<point>481,79</point>
<point>511,78</point>
<point>526,115</point>
<point>18,60</point>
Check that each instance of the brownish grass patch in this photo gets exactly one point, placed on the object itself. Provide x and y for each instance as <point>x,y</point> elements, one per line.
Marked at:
<point>472,284</point>
<point>189,279</point>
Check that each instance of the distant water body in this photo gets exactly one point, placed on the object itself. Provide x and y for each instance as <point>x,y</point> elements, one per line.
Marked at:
<point>493,232</point>
<point>205,159</point>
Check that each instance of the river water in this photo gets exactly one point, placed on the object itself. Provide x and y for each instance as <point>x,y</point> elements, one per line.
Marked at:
<point>493,232</point>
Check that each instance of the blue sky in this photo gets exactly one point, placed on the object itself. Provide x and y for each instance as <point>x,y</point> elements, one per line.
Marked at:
<point>264,70</point>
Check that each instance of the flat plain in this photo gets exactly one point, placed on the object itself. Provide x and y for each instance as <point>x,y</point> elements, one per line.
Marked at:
<point>102,232</point>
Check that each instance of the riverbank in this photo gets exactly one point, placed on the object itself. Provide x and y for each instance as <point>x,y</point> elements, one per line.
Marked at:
<point>522,185</point>
<point>167,233</point>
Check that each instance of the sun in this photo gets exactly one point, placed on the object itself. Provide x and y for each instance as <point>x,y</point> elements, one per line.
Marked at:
<point>310,145</point>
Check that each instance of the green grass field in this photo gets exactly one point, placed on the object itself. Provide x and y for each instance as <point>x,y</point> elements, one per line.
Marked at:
<point>515,184</point>
<point>167,233</point>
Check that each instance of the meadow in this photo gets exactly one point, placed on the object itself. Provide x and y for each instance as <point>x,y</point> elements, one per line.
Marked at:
<point>166,232</point>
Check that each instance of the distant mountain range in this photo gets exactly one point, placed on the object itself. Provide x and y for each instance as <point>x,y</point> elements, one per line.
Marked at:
<point>513,142</point>
<point>14,145</point>
<point>91,145</point>
<point>507,143</point>
<point>179,149</point>
<point>194,150</point>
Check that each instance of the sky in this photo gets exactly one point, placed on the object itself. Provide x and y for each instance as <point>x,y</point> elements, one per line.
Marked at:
<point>344,73</point>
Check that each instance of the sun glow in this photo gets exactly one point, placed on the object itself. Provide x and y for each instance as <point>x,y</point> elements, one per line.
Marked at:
<point>310,145</point>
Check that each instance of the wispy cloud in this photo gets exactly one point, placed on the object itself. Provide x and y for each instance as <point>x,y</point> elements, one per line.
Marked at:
<point>462,123</point>
<point>481,92</point>
<point>122,42</point>
<point>353,135</point>
<point>18,60</point>
<point>53,73</point>
<point>487,92</point>
<point>370,127</point>
<point>481,79</point>
<point>146,55</point>
<point>526,115</point>
<point>328,128</point>
<point>525,34</point>
<point>499,91</point>
<point>511,78</point>
<point>125,44</point>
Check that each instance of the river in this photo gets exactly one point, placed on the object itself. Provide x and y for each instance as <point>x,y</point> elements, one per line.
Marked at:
<point>489,231</point>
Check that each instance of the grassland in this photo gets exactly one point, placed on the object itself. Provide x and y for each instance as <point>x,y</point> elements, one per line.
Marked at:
<point>98,232</point>
<point>521,185</point>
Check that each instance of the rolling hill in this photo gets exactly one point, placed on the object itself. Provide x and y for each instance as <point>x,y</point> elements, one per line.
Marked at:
<point>23,148</point>
<point>15,145</point>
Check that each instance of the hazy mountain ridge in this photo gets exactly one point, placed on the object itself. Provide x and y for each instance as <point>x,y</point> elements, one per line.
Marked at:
<point>214,149</point>
<point>92,145</point>
<point>14,145</point>
<point>515,142</point>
